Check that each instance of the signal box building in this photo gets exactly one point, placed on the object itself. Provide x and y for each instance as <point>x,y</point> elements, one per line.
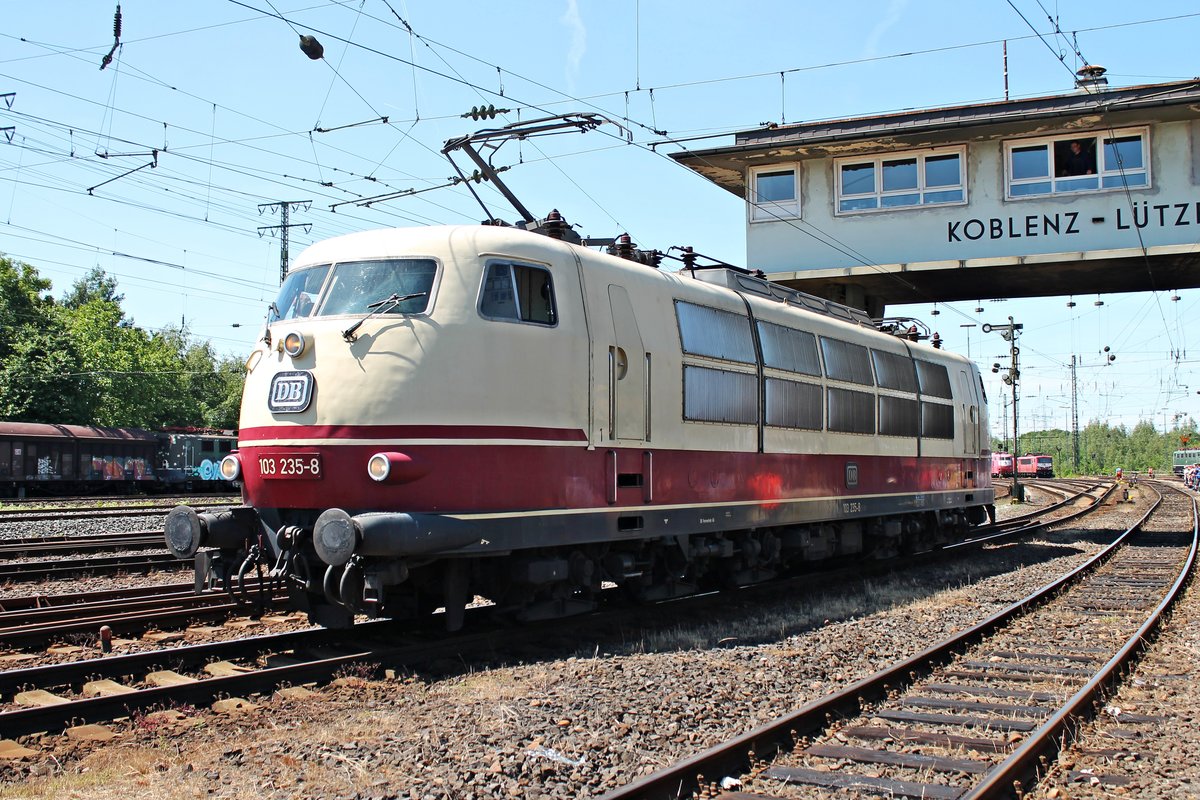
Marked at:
<point>1089,192</point>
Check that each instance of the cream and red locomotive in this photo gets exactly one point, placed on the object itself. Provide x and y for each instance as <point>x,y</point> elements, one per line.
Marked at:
<point>445,412</point>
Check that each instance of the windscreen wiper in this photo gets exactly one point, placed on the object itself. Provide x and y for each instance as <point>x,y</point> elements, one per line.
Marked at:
<point>381,307</point>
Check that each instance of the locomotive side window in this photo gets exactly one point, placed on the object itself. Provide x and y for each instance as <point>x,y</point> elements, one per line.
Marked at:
<point>790,349</point>
<point>389,286</point>
<point>791,404</point>
<point>848,362</point>
<point>717,395</point>
<point>937,421</point>
<point>850,411</point>
<point>518,292</point>
<point>934,379</point>
<point>898,416</point>
<point>705,331</point>
<point>894,371</point>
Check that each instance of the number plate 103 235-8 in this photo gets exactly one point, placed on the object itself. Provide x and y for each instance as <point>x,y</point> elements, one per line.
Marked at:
<point>290,466</point>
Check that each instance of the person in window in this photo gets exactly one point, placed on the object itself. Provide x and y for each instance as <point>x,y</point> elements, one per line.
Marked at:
<point>1077,161</point>
<point>302,306</point>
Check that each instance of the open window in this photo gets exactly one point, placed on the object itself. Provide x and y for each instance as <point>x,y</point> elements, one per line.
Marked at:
<point>1078,163</point>
<point>518,293</point>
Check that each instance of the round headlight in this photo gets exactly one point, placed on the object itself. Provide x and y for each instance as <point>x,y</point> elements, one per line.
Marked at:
<point>293,343</point>
<point>231,468</point>
<point>379,466</point>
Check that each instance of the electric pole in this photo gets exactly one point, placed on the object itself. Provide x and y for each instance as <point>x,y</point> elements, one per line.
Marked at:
<point>1012,375</point>
<point>284,206</point>
<point>1074,417</point>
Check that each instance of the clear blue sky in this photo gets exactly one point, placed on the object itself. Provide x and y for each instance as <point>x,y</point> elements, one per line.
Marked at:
<point>223,92</point>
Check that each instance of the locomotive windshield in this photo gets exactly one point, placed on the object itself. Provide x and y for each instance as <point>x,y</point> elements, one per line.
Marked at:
<point>356,287</point>
<point>298,293</point>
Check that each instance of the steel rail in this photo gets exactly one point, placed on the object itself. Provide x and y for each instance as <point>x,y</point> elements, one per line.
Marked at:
<point>43,600</point>
<point>1029,522</point>
<point>79,544</point>
<point>201,607</point>
<point>97,512</point>
<point>733,757</point>
<point>37,570</point>
<point>135,498</point>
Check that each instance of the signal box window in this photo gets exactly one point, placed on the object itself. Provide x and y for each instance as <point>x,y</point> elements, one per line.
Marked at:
<point>901,181</point>
<point>1078,163</point>
<point>774,194</point>
<point>518,293</point>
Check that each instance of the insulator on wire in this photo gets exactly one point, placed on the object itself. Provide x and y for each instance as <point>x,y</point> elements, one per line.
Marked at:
<point>104,62</point>
<point>689,258</point>
<point>311,47</point>
<point>485,112</point>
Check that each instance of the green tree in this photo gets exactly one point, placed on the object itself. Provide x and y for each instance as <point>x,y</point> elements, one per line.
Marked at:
<point>96,285</point>
<point>39,363</point>
<point>83,361</point>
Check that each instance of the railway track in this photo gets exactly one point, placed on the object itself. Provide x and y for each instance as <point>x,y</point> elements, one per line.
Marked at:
<point>67,501</point>
<point>1075,503</point>
<point>971,717</point>
<point>263,663</point>
<point>24,546</point>
<point>100,512</point>
<point>27,571</point>
<point>133,613</point>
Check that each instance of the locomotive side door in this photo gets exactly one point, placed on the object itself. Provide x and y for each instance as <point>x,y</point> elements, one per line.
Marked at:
<point>628,364</point>
<point>970,413</point>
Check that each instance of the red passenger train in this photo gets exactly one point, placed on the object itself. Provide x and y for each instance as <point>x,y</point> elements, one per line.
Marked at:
<point>439,413</point>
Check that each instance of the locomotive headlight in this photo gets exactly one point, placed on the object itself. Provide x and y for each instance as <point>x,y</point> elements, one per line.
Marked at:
<point>379,467</point>
<point>294,343</point>
<point>393,467</point>
<point>231,468</point>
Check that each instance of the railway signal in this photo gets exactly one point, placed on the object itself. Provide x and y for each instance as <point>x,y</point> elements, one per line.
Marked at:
<point>1009,332</point>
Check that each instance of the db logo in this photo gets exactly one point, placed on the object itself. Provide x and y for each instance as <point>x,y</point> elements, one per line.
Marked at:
<point>291,392</point>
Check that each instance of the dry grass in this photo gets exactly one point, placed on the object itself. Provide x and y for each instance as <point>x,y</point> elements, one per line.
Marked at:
<point>131,767</point>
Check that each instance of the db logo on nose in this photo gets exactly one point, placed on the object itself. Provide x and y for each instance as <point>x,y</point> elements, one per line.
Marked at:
<point>291,392</point>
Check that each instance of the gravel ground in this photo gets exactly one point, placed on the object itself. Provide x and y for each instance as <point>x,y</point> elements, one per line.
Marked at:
<point>554,725</point>
<point>81,527</point>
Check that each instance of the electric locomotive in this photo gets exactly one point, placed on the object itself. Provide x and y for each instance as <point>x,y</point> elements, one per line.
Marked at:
<point>440,413</point>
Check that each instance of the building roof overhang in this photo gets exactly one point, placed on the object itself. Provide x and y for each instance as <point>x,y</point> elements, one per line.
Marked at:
<point>727,166</point>
<point>1044,275</point>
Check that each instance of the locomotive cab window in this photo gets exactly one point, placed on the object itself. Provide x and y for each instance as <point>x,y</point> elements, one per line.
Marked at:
<point>518,293</point>
<point>299,293</point>
<point>388,286</point>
